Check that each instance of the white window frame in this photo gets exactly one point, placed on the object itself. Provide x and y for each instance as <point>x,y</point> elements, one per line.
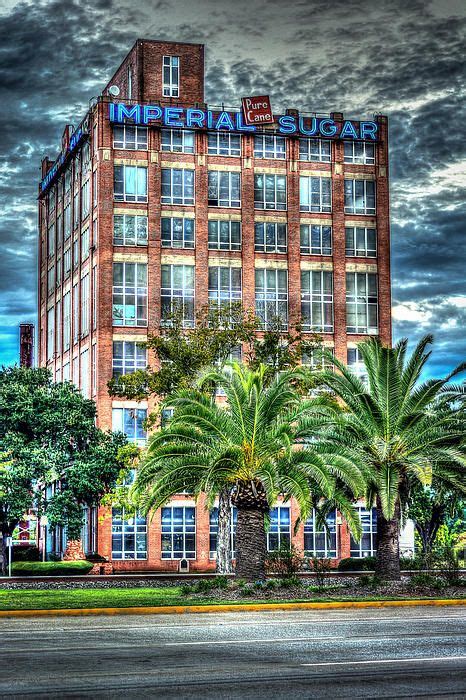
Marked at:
<point>220,295</point>
<point>352,197</point>
<point>184,198</point>
<point>261,231</point>
<point>66,321</point>
<point>283,535</point>
<point>357,365</point>
<point>269,146</point>
<point>315,150</point>
<point>50,334</point>
<point>312,299</point>
<point>222,143</point>
<point>356,548</point>
<point>308,230</point>
<point>136,415</point>
<point>140,230</point>
<point>352,232</point>
<point>136,292</point>
<point>178,141</point>
<point>215,185</point>
<point>85,243</point>
<point>360,300</point>
<point>170,532</point>
<point>270,296</point>
<point>171,87</point>
<point>136,196</point>
<point>359,152</point>
<point>127,363</point>
<point>173,240</point>
<point>325,551</point>
<point>179,296</point>
<point>264,191</point>
<point>306,186</point>
<point>134,529</point>
<point>129,137</point>
<point>85,305</point>
<point>221,227</point>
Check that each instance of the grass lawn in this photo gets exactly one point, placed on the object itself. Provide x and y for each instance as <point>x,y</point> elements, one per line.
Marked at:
<point>134,597</point>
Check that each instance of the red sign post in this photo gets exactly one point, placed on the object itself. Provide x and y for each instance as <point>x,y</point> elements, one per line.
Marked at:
<point>257,110</point>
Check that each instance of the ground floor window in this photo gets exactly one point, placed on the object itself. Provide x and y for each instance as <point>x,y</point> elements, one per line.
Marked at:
<point>320,540</point>
<point>129,535</point>
<point>213,532</point>
<point>367,547</point>
<point>280,528</point>
<point>179,532</point>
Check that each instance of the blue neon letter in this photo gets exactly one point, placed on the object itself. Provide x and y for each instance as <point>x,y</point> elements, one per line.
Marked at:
<point>171,116</point>
<point>150,113</point>
<point>195,117</point>
<point>348,130</point>
<point>369,130</point>
<point>327,127</point>
<point>308,132</point>
<point>240,126</point>
<point>131,112</point>
<point>224,122</point>
<point>287,124</point>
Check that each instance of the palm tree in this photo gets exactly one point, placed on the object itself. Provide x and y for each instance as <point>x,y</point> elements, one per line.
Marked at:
<point>406,432</point>
<point>257,446</point>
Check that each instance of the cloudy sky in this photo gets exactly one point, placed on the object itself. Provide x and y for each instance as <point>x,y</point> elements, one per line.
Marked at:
<point>401,58</point>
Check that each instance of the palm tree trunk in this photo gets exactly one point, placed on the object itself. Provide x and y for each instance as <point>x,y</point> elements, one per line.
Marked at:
<point>224,533</point>
<point>250,544</point>
<point>387,564</point>
<point>74,551</point>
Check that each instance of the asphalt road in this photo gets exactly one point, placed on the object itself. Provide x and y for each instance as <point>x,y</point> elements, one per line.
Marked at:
<point>372,653</point>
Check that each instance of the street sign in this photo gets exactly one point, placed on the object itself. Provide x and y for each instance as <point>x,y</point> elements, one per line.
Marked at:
<point>257,110</point>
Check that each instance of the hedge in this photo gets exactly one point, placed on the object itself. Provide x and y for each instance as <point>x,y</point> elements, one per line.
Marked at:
<point>51,568</point>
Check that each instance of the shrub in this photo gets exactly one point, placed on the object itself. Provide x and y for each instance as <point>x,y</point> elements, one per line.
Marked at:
<point>285,561</point>
<point>353,564</point>
<point>51,568</point>
<point>410,563</point>
<point>425,580</point>
<point>290,581</point>
<point>272,584</point>
<point>322,568</point>
<point>369,581</point>
<point>26,553</point>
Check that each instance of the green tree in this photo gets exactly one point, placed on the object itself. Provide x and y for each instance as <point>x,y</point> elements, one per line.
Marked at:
<point>430,507</point>
<point>257,446</point>
<point>406,431</point>
<point>48,433</point>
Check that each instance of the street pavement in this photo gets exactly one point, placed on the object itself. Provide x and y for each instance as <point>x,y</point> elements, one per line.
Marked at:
<point>370,653</point>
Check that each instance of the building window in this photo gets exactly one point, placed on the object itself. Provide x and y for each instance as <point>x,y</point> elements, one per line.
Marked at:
<point>272,297</point>
<point>68,179</point>
<point>94,297</point>
<point>213,532</point>
<point>130,183</point>
<point>128,357</point>
<point>317,301</point>
<point>94,188</point>
<point>85,244</point>
<point>178,140</point>
<point>177,293</point>
<point>367,547</point>
<point>51,240</point>
<point>356,364</point>
<point>317,360</point>
<point>177,232</point>
<point>359,197</point>
<point>66,321</point>
<point>361,242</point>
<point>66,372</point>
<point>320,540</point>
<point>270,238</point>
<point>130,138</point>
<point>171,76</point>
<point>315,194</point>
<point>166,416</point>
<point>269,191</point>
<point>235,355</point>
<point>129,535</point>
<point>224,286</point>
<point>280,528</point>
<point>59,234</point>
<point>269,146</point>
<point>86,158</point>
<point>50,333</point>
<point>129,294</point>
<point>177,186</point>
<point>316,150</point>
<point>67,220</point>
<point>52,199</point>
<point>85,198</point>
<point>224,189</point>
<point>75,315</point>
<point>130,421</point>
<point>58,275</point>
<point>76,252</point>
<point>129,229</point>
<point>224,235</point>
<point>222,143</point>
<point>67,262</point>
<point>179,532</point>
<point>361,303</point>
<point>359,152</point>
<point>316,239</point>
<point>76,211</point>
<point>84,386</point>
<point>85,305</point>
<point>51,280</point>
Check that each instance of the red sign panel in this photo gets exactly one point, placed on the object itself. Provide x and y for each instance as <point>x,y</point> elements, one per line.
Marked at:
<point>257,110</point>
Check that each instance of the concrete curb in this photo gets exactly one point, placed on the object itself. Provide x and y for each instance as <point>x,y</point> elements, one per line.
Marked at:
<point>241,607</point>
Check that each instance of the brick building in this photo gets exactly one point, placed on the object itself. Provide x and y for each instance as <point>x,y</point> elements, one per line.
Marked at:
<point>157,198</point>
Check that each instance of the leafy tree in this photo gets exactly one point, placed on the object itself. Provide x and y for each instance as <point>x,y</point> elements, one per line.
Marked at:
<point>49,435</point>
<point>183,353</point>
<point>258,446</point>
<point>430,507</point>
<point>406,431</point>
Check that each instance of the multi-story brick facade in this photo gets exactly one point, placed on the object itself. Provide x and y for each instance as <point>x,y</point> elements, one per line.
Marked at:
<point>156,199</point>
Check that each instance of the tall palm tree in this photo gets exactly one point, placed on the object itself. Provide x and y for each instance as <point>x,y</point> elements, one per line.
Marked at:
<point>404,429</point>
<point>257,445</point>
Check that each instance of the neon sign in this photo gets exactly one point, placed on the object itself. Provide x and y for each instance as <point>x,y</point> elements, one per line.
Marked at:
<point>287,124</point>
<point>69,146</point>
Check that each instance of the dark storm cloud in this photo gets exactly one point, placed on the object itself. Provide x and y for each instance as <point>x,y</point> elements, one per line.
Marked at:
<point>403,59</point>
